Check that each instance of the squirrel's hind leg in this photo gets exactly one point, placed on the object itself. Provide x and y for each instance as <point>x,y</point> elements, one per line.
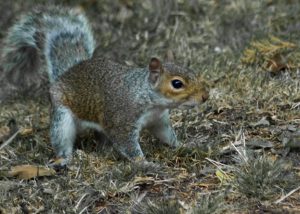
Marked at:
<point>63,132</point>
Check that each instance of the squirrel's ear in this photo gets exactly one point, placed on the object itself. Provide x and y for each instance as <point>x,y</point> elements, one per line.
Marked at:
<point>155,70</point>
<point>169,56</point>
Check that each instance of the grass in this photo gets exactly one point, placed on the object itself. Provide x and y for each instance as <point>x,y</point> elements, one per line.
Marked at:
<point>261,178</point>
<point>211,37</point>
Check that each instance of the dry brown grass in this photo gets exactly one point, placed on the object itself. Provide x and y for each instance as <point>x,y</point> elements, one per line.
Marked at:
<point>256,112</point>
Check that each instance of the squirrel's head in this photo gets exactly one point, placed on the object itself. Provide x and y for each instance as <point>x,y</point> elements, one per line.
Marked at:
<point>180,87</point>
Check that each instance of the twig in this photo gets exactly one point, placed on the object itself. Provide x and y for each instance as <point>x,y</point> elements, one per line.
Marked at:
<point>10,139</point>
<point>242,138</point>
<point>244,144</point>
<point>141,197</point>
<point>217,165</point>
<point>287,195</point>
<point>238,151</point>
<point>84,209</point>
<point>78,171</point>
<point>295,105</point>
<point>79,202</point>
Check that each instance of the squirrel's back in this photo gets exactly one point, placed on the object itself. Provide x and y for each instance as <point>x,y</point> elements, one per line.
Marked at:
<point>42,45</point>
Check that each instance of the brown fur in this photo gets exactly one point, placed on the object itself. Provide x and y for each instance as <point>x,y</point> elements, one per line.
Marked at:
<point>194,87</point>
<point>122,100</point>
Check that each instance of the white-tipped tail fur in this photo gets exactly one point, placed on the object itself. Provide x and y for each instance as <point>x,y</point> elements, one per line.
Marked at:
<point>41,46</point>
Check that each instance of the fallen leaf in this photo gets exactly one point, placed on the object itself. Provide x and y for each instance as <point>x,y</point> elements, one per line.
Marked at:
<point>58,162</point>
<point>143,180</point>
<point>4,132</point>
<point>264,121</point>
<point>272,54</point>
<point>276,63</point>
<point>259,143</point>
<point>8,130</point>
<point>291,140</point>
<point>30,171</point>
<point>26,131</point>
<point>292,128</point>
<point>138,181</point>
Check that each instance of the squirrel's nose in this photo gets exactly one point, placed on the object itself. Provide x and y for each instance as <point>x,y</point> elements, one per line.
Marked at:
<point>205,97</point>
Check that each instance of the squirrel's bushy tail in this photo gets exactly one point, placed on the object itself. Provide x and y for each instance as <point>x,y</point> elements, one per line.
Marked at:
<point>41,46</point>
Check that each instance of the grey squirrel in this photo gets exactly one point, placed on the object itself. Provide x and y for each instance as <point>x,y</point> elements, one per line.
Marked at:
<point>92,92</point>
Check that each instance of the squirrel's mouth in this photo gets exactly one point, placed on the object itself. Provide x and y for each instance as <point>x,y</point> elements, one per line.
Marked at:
<point>188,105</point>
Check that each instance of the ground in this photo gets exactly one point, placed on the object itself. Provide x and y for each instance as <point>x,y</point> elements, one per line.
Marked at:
<point>241,152</point>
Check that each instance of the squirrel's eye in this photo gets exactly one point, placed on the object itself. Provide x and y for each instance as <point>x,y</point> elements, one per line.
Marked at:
<point>177,84</point>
